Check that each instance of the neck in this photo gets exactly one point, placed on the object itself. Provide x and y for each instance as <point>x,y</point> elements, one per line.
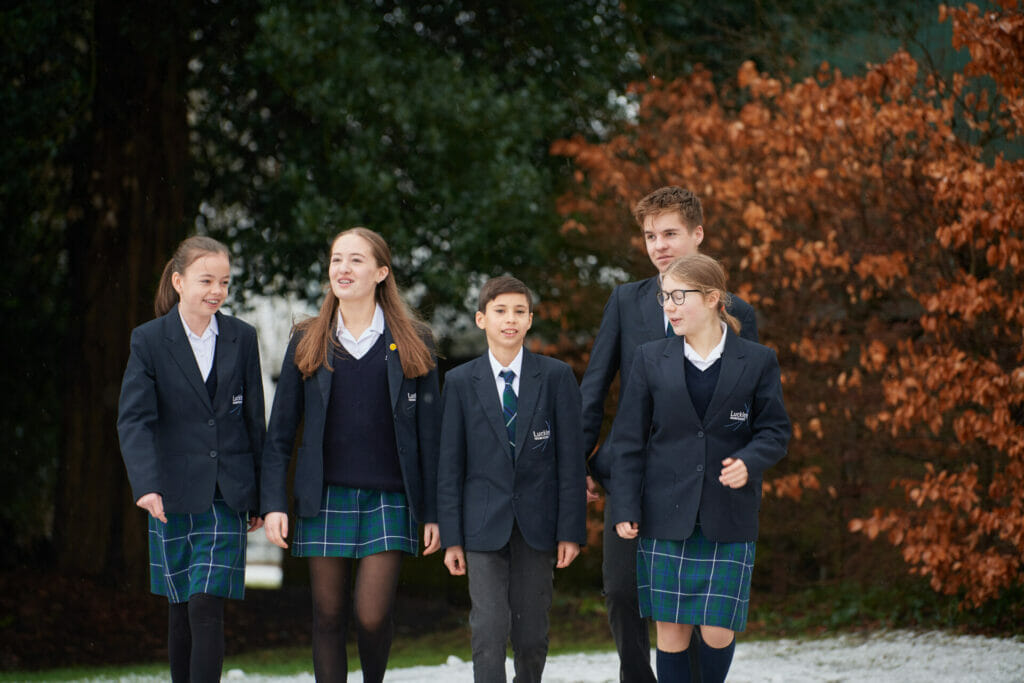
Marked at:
<point>357,315</point>
<point>196,322</point>
<point>705,339</point>
<point>505,356</point>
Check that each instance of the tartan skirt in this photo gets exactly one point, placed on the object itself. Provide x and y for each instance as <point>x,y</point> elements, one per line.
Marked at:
<point>356,523</point>
<point>696,581</point>
<point>198,553</point>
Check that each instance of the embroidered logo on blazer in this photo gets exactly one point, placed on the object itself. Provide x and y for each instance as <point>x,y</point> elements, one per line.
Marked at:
<point>411,397</point>
<point>236,404</point>
<point>737,418</point>
<point>541,437</point>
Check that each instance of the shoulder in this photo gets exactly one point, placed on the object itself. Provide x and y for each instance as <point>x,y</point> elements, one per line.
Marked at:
<point>231,324</point>
<point>635,288</point>
<point>463,372</point>
<point>749,348</point>
<point>657,347</point>
<point>153,329</point>
<point>551,367</point>
<point>738,307</point>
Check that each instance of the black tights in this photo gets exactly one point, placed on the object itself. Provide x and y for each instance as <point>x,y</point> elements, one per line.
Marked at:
<point>195,639</point>
<point>374,596</point>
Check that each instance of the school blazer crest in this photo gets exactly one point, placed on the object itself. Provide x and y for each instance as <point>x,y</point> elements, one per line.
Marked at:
<point>177,442</point>
<point>667,460</point>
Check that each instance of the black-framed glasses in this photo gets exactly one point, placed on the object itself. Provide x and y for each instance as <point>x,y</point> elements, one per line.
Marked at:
<point>678,296</point>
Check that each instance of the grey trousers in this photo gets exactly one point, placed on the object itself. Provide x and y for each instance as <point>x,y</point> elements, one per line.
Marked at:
<point>510,590</point>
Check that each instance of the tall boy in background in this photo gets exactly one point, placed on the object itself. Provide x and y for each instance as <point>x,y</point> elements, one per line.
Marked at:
<point>672,222</point>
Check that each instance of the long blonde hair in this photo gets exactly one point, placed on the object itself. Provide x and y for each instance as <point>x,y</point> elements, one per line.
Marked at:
<point>188,252</point>
<point>319,341</point>
<point>707,275</point>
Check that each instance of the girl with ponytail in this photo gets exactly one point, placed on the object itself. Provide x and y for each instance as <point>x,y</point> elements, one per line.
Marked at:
<point>361,380</point>
<point>191,427</point>
<point>700,420</point>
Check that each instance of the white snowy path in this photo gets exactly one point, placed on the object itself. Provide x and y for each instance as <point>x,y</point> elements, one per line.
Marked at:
<point>890,656</point>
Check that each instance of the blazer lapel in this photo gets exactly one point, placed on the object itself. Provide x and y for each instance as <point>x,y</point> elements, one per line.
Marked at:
<point>733,366</point>
<point>181,351</point>
<point>651,313</point>
<point>675,379</point>
<point>394,363</point>
<point>487,393</point>
<point>529,390</point>
<point>225,349</point>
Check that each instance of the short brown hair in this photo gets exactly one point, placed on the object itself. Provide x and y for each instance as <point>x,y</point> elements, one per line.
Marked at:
<point>504,284</point>
<point>671,199</point>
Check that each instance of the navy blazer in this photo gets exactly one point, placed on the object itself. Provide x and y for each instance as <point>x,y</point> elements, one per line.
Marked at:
<point>631,317</point>
<point>482,490</point>
<point>175,441</point>
<point>667,461</point>
<point>416,407</point>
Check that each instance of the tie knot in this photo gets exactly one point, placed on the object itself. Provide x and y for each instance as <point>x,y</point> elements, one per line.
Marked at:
<point>507,375</point>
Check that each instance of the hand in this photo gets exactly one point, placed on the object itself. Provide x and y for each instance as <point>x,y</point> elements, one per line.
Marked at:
<point>255,522</point>
<point>431,538</point>
<point>734,473</point>
<point>567,552</point>
<point>627,530</point>
<point>153,503</point>
<point>455,560</point>
<point>275,525</point>
<point>592,495</point>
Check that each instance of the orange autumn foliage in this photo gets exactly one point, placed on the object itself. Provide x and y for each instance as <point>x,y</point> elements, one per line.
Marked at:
<point>876,223</point>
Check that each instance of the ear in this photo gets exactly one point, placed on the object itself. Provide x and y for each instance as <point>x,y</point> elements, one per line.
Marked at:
<point>698,235</point>
<point>382,274</point>
<point>713,299</point>
<point>529,322</point>
<point>176,282</point>
<point>480,320</point>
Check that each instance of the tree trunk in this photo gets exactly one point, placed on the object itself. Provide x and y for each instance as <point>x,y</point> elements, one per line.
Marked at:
<point>126,216</point>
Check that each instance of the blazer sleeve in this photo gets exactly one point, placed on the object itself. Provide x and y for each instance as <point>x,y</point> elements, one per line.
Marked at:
<point>451,467</point>
<point>572,483</point>
<point>601,369</point>
<point>428,430</point>
<point>629,444</point>
<point>255,409</point>
<point>285,416</point>
<point>770,424</point>
<point>137,419</point>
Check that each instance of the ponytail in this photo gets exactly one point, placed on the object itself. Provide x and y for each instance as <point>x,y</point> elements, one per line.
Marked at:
<point>190,250</point>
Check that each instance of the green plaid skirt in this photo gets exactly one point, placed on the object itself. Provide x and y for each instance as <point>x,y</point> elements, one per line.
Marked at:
<point>356,523</point>
<point>696,581</point>
<point>198,553</point>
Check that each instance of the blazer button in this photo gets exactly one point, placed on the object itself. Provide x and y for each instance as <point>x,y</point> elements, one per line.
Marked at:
<point>211,422</point>
<point>700,435</point>
<point>700,468</point>
<point>213,454</point>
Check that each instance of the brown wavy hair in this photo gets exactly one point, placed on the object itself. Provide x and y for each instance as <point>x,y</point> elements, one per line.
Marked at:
<point>319,341</point>
<point>707,275</point>
<point>668,200</point>
<point>188,252</point>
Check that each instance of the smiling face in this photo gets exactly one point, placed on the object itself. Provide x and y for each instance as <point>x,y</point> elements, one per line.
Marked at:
<point>505,321</point>
<point>354,273</point>
<point>203,287</point>
<point>667,238</point>
<point>697,313</point>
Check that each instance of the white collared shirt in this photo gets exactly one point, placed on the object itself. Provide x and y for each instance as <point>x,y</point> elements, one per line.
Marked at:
<point>203,347</point>
<point>515,366</point>
<point>358,347</point>
<point>716,353</point>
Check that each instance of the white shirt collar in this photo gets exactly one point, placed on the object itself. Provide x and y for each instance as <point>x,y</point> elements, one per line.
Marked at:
<point>376,327</point>
<point>716,353</point>
<point>515,366</point>
<point>211,329</point>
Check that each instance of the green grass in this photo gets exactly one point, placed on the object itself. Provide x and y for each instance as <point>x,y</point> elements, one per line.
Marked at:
<point>579,624</point>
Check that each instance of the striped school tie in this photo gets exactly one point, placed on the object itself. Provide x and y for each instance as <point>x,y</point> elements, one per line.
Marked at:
<point>508,408</point>
<point>669,332</point>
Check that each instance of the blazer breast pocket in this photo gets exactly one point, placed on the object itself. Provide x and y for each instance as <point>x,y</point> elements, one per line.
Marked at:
<point>540,436</point>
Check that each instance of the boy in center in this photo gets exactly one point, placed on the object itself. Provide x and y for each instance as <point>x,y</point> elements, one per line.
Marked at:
<point>511,496</point>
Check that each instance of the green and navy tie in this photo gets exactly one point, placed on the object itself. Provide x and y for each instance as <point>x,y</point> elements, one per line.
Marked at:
<point>508,408</point>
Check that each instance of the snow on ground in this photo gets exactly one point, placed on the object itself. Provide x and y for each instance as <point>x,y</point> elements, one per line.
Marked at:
<point>884,657</point>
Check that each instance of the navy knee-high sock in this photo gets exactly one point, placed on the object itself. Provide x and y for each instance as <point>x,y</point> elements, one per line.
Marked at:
<point>673,667</point>
<point>715,662</point>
